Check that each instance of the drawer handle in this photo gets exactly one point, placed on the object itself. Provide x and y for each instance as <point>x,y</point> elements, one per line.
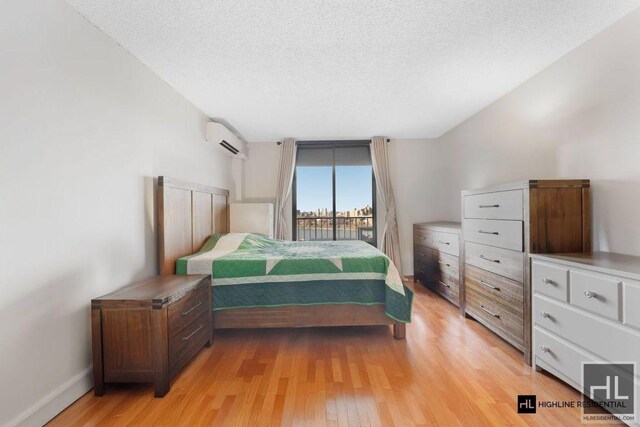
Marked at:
<point>421,271</point>
<point>200,326</point>
<point>497,261</point>
<point>545,349</point>
<point>491,313</point>
<point>548,281</point>
<point>186,313</point>
<point>495,233</point>
<point>488,206</point>
<point>589,294</point>
<point>544,315</point>
<point>443,242</point>
<point>482,282</point>
<point>421,254</point>
<point>444,284</point>
<point>444,263</point>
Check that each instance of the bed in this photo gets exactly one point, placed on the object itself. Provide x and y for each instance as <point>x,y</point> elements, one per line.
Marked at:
<point>260,282</point>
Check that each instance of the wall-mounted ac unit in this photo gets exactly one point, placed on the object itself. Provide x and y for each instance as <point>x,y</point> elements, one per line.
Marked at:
<point>226,140</point>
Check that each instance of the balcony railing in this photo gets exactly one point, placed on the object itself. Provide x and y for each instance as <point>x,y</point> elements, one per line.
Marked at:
<point>347,228</point>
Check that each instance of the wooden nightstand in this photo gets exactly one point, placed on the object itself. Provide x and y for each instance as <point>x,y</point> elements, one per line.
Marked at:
<point>147,331</point>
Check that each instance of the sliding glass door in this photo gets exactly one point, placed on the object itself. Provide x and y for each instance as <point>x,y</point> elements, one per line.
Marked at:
<point>334,192</point>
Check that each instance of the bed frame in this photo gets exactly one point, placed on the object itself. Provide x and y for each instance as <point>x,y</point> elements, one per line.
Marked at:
<point>189,213</point>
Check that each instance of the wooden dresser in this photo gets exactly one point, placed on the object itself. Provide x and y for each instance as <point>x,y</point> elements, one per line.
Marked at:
<point>436,257</point>
<point>586,309</point>
<point>147,331</point>
<point>501,225</point>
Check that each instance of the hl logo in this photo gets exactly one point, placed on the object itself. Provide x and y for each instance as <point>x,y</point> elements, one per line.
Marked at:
<point>607,389</point>
<point>526,404</point>
<point>611,386</point>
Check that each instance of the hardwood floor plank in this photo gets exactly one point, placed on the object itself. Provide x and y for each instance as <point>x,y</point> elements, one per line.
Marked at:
<point>448,371</point>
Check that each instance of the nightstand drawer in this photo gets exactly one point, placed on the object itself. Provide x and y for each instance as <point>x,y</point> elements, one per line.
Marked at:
<point>184,344</point>
<point>184,311</point>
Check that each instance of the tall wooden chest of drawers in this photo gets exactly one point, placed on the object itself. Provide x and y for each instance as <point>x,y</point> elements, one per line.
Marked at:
<point>586,308</point>
<point>148,331</point>
<point>436,257</point>
<point>501,225</point>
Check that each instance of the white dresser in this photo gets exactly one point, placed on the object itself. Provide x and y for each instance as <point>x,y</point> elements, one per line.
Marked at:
<point>586,307</point>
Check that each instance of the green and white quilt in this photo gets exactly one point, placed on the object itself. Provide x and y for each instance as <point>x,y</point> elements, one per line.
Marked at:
<point>250,270</point>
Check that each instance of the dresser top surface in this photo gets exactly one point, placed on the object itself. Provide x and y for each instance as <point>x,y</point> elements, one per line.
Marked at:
<point>157,290</point>
<point>605,262</point>
<point>446,226</point>
<point>532,183</point>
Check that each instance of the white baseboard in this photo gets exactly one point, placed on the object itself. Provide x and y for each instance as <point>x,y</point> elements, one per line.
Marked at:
<point>55,402</point>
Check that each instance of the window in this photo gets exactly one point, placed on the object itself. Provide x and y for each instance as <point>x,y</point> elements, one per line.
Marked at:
<point>334,192</point>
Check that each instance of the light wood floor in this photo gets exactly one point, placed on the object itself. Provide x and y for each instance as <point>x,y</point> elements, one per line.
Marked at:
<point>449,371</point>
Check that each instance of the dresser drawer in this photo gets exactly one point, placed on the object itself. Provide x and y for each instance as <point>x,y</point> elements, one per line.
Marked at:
<point>559,355</point>
<point>507,292</point>
<point>447,264</point>
<point>604,338</point>
<point>598,294</point>
<point>422,254</point>
<point>551,280</point>
<point>422,236</point>
<point>499,205</point>
<point>446,286</point>
<point>184,344</point>
<point>184,311</point>
<point>497,260</point>
<point>503,234</point>
<point>446,242</point>
<point>632,305</point>
<point>497,317</point>
<point>423,271</point>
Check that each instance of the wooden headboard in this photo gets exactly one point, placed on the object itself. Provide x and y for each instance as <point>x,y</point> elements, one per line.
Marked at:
<point>187,214</point>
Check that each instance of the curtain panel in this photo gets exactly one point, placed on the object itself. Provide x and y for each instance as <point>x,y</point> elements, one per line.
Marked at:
<point>390,239</point>
<point>283,190</point>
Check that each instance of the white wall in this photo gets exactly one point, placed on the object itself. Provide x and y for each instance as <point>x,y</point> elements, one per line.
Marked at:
<point>84,128</point>
<point>579,118</point>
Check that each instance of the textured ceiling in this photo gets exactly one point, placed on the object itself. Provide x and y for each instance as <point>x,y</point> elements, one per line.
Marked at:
<point>348,69</point>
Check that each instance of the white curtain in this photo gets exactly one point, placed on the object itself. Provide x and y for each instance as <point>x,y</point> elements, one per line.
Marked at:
<point>390,240</point>
<point>285,179</point>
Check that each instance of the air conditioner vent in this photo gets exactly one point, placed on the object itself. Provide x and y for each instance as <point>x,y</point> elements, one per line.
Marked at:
<point>226,140</point>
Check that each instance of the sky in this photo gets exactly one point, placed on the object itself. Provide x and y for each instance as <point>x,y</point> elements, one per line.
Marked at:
<point>353,187</point>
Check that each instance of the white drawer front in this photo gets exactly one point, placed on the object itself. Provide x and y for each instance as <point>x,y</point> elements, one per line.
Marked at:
<point>500,205</point>
<point>632,305</point>
<point>551,280</point>
<point>446,242</point>
<point>562,356</point>
<point>604,338</point>
<point>504,262</point>
<point>503,234</point>
<point>598,294</point>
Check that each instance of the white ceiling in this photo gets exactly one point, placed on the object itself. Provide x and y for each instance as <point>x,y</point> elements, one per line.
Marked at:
<point>348,69</point>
